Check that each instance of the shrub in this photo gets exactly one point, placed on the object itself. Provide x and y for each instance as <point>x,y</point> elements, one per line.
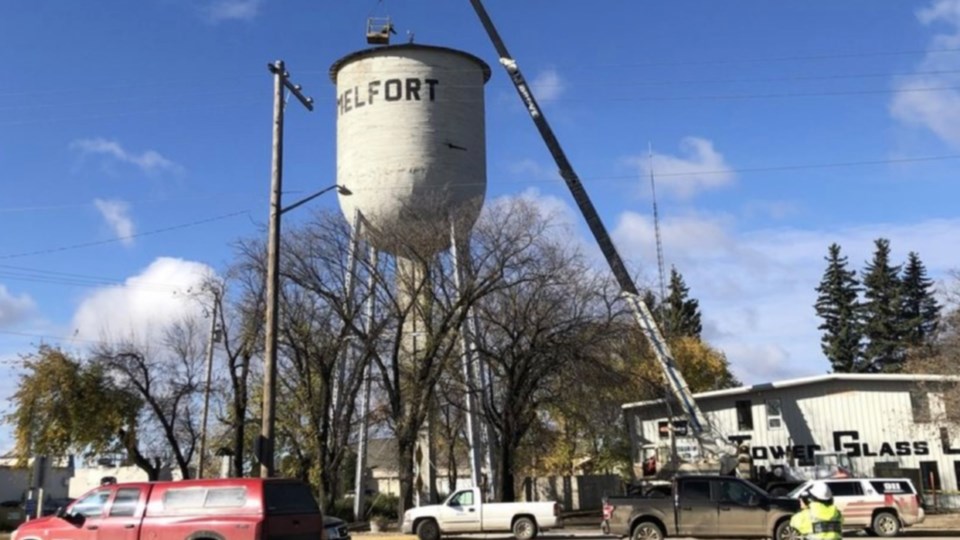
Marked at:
<point>343,509</point>
<point>383,504</point>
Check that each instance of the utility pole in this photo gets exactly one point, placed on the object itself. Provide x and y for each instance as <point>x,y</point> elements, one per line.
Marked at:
<point>267,440</point>
<point>206,390</point>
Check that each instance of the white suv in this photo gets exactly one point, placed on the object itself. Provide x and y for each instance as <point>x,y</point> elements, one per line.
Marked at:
<point>881,506</point>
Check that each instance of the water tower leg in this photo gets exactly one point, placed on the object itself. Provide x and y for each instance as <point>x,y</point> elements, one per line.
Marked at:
<point>414,294</point>
<point>486,432</point>
<point>360,479</point>
<point>468,354</point>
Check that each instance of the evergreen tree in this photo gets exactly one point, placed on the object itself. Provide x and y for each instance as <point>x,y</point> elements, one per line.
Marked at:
<point>838,306</point>
<point>681,314</point>
<point>920,312</point>
<point>882,325</point>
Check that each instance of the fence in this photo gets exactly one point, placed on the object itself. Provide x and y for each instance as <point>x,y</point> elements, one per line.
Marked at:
<point>575,493</point>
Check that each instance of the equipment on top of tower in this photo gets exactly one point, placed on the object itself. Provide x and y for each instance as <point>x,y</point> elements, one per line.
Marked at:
<point>379,30</point>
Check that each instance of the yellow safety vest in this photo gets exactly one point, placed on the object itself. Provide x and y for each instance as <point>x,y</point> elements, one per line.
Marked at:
<point>818,522</point>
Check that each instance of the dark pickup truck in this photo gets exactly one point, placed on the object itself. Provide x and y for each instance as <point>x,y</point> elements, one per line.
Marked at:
<point>702,507</point>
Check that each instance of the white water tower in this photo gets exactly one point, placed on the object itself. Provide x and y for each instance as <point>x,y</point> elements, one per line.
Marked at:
<point>411,142</point>
<point>411,148</point>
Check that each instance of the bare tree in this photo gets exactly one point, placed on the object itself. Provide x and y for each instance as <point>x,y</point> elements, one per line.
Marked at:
<point>167,378</point>
<point>323,345</point>
<point>552,312</point>
<point>942,355</point>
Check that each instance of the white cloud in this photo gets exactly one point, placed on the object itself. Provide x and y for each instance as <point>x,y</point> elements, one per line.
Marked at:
<point>547,86</point>
<point>934,110</point>
<point>14,309</point>
<point>698,167</point>
<point>144,305</point>
<point>117,215</point>
<point>226,10</point>
<point>149,161</point>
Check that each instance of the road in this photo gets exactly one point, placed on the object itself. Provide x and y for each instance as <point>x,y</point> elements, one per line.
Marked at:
<point>583,534</point>
<point>589,533</point>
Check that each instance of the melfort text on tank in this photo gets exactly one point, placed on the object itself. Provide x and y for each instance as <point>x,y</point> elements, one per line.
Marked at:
<point>408,89</point>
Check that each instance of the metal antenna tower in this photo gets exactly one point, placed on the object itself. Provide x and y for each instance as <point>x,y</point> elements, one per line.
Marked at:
<point>656,229</point>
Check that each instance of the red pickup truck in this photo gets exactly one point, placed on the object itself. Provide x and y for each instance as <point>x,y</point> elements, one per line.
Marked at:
<point>220,509</point>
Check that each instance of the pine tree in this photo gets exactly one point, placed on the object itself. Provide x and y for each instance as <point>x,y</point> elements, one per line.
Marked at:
<point>681,314</point>
<point>883,329</point>
<point>838,306</point>
<point>919,310</point>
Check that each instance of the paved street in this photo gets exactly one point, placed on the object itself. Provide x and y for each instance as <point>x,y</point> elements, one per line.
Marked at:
<point>941,526</point>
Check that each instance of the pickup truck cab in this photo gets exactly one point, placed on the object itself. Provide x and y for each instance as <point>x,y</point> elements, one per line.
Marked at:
<point>703,507</point>
<point>221,509</point>
<point>465,512</point>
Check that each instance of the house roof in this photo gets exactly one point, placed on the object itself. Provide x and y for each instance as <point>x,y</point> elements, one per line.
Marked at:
<point>803,381</point>
<point>382,454</point>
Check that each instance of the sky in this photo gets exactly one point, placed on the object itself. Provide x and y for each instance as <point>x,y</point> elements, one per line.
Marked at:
<point>135,144</point>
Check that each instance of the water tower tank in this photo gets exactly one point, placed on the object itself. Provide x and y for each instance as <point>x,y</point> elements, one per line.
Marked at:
<point>411,141</point>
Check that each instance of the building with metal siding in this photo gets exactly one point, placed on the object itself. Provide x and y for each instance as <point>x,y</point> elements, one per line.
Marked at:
<point>892,421</point>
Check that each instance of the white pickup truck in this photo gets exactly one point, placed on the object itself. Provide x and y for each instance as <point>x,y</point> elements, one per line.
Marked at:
<point>465,512</point>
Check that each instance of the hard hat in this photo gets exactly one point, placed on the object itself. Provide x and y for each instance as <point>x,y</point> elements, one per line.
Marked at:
<point>820,491</point>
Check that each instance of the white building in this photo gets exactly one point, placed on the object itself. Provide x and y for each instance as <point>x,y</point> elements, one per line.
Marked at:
<point>882,421</point>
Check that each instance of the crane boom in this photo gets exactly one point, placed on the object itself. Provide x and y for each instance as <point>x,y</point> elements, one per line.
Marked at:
<point>710,440</point>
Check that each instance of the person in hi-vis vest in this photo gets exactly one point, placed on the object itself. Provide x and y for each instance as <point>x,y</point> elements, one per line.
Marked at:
<point>818,518</point>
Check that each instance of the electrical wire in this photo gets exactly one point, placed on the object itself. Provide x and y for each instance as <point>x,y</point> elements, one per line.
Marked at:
<point>122,238</point>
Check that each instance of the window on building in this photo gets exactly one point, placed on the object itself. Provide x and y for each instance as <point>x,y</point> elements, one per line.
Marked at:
<point>930,475</point>
<point>744,415</point>
<point>663,430</point>
<point>774,414</point>
<point>920,405</point>
<point>951,405</point>
<point>956,471</point>
<point>679,429</point>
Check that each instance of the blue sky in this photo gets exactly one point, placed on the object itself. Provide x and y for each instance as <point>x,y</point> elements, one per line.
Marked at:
<point>135,144</point>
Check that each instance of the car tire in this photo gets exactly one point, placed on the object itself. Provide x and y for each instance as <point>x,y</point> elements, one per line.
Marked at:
<point>428,530</point>
<point>885,524</point>
<point>524,528</point>
<point>647,530</point>
<point>784,531</point>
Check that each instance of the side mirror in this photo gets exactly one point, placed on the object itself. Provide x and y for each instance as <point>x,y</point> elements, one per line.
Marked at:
<point>754,500</point>
<point>73,519</point>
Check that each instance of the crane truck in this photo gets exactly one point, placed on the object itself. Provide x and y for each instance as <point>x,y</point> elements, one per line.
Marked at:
<point>716,454</point>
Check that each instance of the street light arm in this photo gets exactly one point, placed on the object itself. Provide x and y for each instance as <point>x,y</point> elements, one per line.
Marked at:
<point>340,189</point>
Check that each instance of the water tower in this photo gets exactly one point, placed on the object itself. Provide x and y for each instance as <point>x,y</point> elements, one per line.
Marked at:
<point>411,147</point>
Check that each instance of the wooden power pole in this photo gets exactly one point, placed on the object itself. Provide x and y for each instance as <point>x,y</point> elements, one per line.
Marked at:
<point>267,441</point>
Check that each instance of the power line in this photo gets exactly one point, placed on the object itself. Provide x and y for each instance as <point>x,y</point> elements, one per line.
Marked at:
<point>167,200</point>
<point>774,168</point>
<point>824,56</point>
<point>61,338</point>
<point>772,95</point>
<point>122,238</point>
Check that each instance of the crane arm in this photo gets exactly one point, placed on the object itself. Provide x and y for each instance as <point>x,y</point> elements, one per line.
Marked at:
<point>678,386</point>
